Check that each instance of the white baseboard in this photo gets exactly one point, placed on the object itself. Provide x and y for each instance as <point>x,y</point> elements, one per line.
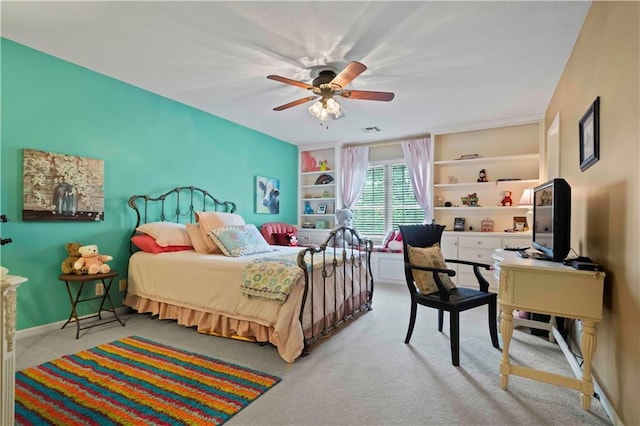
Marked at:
<point>28,332</point>
<point>577,370</point>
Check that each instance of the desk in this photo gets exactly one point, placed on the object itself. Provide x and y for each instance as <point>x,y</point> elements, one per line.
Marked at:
<point>82,279</point>
<point>554,289</point>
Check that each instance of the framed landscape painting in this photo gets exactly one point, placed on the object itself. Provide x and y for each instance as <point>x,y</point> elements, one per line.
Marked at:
<point>62,187</point>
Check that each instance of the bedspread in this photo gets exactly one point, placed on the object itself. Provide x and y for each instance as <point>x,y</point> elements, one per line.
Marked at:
<point>271,278</point>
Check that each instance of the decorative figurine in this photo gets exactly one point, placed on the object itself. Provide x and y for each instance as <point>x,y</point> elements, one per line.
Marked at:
<point>506,201</point>
<point>482,176</point>
<point>307,208</point>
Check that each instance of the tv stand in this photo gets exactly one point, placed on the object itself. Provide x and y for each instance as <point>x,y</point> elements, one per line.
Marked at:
<point>554,289</point>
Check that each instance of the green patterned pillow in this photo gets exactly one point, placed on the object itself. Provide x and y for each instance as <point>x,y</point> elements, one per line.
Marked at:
<point>430,257</point>
<point>239,240</point>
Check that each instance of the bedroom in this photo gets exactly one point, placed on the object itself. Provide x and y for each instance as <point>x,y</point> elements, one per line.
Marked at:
<point>53,105</point>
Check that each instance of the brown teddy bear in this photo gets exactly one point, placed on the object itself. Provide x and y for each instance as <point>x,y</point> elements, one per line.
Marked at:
<point>74,255</point>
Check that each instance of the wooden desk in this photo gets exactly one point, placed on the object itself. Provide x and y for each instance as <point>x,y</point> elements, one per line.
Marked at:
<point>554,289</point>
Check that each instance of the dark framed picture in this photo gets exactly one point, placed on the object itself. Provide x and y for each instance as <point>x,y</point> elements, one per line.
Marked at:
<point>322,209</point>
<point>458,224</point>
<point>589,131</point>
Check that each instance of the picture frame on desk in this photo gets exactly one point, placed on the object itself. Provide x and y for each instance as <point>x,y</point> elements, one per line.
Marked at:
<point>589,133</point>
<point>322,209</point>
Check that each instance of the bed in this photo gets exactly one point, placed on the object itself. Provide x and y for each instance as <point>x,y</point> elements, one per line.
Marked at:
<point>327,286</point>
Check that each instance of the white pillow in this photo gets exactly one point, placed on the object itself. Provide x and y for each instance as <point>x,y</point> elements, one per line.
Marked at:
<point>166,233</point>
<point>196,239</point>
<point>208,221</point>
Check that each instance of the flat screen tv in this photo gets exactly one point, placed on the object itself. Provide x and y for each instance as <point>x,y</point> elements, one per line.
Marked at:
<point>552,219</point>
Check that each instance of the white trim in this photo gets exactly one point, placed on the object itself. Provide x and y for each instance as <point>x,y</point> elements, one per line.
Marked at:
<point>577,370</point>
<point>514,121</point>
<point>52,326</point>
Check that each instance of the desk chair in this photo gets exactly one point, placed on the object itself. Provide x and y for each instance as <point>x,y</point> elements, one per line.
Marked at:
<point>430,284</point>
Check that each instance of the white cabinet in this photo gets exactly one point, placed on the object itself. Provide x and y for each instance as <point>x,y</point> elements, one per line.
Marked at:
<point>318,193</point>
<point>478,247</point>
<point>509,157</point>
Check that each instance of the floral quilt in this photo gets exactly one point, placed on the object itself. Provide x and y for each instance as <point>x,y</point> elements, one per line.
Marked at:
<point>271,278</point>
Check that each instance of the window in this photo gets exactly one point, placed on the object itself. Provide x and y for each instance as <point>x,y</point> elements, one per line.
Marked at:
<point>387,201</point>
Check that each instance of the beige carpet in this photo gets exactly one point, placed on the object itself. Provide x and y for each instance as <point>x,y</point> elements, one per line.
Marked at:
<point>365,375</point>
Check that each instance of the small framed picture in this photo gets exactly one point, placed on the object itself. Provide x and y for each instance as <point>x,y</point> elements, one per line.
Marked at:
<point>458,224</point>
<point>322,209</point>
<point>520,223</point>
<point>589,132</point>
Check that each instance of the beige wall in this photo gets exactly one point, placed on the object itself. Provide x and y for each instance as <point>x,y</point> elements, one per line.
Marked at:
<point>605,220</point>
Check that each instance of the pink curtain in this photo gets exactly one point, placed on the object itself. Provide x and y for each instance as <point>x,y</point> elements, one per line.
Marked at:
<point>417,156</point>
<point>355,160</point>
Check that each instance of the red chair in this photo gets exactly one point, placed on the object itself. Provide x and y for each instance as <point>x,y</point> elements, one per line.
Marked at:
<point>275,232</point>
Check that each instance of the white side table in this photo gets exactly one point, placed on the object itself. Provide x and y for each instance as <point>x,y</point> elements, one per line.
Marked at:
<point>7,348</point>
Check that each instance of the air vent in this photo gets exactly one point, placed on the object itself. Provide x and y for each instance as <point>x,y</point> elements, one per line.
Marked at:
<point>371,129</point>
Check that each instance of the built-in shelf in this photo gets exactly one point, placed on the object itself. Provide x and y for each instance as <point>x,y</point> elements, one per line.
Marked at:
<point>521,157</point>
<point>530,182</point>
<point>484,208</point>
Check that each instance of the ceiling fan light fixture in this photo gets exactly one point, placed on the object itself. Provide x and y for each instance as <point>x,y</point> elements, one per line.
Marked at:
<point>315,109</point>
<point>333,107</point>
<point>324,114</point>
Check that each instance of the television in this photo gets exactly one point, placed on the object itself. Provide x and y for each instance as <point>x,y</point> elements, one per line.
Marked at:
<point>552,219</point>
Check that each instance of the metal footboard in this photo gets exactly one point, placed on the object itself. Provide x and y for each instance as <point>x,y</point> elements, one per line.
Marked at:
<point>344,261</point>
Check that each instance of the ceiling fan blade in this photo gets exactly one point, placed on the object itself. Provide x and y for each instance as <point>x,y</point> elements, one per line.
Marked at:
<point>367,95</point>
<point>294,103</point>
<point>290,81</point>
<point>349,72</point>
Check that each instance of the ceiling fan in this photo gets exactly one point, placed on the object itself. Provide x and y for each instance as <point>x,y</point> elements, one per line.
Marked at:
<point>327,85</point>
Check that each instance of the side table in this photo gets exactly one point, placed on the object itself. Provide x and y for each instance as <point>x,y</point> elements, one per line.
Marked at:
<point>107,280</point>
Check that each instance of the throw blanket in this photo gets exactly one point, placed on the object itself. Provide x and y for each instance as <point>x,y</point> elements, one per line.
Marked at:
<point>271,278</point>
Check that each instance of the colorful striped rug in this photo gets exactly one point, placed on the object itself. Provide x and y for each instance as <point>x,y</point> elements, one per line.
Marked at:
<point>135,381</point>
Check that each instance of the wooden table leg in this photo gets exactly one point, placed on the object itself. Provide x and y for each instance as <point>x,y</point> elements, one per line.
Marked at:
<point>588,344</point>
<point>506,329</point>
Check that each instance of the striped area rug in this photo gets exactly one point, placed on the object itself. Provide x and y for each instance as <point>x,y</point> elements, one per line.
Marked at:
<point>135,381</point>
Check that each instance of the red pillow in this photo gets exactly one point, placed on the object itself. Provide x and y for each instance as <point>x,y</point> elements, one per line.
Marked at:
<point>281,238</point>
<point>147,244</point>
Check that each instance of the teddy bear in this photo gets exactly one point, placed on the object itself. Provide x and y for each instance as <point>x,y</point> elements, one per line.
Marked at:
<point>506,201</point>
<point>344,217</point>
<point>92,260</point>
<point>67,266</point>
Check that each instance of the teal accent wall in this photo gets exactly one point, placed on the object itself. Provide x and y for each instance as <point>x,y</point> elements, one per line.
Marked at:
<point>149,145</point>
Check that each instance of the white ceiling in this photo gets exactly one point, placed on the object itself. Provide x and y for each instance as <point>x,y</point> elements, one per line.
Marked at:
<point>449,63</point>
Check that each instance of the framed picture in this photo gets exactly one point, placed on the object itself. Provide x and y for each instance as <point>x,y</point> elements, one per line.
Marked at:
<point>322,209</point>
<point>60,187</point>
<point>520,223</point>
<point>589,131</point>
<point>458,224</point>
<point>267,195</point>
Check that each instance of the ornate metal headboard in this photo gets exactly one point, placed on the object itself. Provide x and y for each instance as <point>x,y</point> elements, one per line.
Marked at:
<point>178,205</point>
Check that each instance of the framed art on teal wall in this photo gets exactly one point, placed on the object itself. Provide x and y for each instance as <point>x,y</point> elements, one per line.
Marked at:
<point>62,187</point>
<point>267,195</point>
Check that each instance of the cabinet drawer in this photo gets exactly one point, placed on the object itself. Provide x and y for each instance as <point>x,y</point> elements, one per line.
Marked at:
<point>467,279</point>
<point>476,255</point>
<point>479,242</point>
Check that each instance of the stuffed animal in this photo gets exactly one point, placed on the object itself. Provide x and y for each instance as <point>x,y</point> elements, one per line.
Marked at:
<point>67,266</point>
<point>324,165</point>
<point>92,260</point>
<point>344,217</point>
<point>506,201</point>
<point>293,240</point>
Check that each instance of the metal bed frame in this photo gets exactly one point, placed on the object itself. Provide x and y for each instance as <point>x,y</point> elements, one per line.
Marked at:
<point>180,205</point>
